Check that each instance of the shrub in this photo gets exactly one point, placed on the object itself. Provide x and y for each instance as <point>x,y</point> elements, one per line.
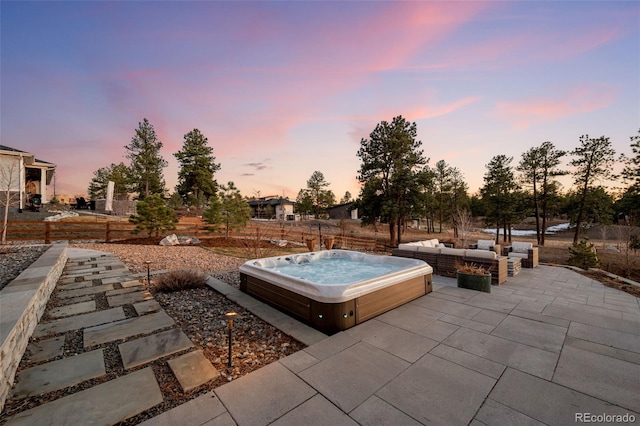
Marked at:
<point>182,279</point>
<point>472,269</point>
<point>583,255</point>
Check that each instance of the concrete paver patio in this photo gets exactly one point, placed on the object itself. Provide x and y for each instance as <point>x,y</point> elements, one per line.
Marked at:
<point>534,351</point>
<point>543,348</point>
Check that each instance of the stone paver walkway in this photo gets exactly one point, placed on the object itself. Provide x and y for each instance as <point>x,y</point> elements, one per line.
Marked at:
<point>90,280</point>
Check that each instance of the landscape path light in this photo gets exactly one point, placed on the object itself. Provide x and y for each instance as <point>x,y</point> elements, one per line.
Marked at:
<point>230,316</point>
<point>148,262</point>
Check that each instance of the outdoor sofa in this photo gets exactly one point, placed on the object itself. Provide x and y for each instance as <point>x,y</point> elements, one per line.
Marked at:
<point>443,260</point>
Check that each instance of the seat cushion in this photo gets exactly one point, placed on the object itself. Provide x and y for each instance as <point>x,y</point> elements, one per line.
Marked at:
<point>521,247</point>
<point>482,254</point>
<point>518,254</point>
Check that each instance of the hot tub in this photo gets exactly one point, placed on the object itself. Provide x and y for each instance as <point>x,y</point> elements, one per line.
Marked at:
<point>333,290</point>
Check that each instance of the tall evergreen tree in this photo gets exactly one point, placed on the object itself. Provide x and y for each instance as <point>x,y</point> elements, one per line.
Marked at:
<point>321,198</point>
<point>497,193</point>
<point>593,161</point>
<point>450,190</point>
<point>154,215</point>
<point>228,209</point>
<point>119,174</point>
<point>538,167</point>
<point>146,161</point>
<point>391,161</point>
<point>631,170</point>
<point>196,183</point>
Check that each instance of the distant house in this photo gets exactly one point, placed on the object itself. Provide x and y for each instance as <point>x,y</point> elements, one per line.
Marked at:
<point>24,175</point>
<point>272,208</point>
<point>343,211</point>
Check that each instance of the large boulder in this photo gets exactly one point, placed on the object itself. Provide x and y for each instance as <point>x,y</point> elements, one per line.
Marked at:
<point>187,241</point>
<point>170,240</point>
<point>174,240</point>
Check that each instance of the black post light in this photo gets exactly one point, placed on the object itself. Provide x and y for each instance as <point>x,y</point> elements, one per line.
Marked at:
<point>148,262</point>
<point>230,316</point>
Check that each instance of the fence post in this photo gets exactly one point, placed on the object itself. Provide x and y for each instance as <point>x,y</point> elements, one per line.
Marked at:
<point>47,232</point>
<point>107,237</point>
<point>196,230</point>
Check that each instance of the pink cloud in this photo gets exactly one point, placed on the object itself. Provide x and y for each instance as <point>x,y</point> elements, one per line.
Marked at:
<point>578,100</point>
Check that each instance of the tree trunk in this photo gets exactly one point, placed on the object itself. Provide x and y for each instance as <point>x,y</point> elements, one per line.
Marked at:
<point>392,232</point>
<point>535,206</point>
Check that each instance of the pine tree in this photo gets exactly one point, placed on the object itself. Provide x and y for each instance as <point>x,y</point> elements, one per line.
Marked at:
<point>119,174</point>
<point>497,192</point>
<point>538,167</point>
<point>593,161</point>
<point>389,172</point>
<point>196,183</point>
<point>153,215</point>
<point>146,161</point>
<point>228,209</point>
<point>320,197</point>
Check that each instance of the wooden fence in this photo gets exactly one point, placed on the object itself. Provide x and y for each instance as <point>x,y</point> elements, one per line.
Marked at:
<point>110,231</point>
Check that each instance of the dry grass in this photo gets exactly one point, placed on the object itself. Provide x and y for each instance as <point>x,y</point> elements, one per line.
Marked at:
<point>178,280</point>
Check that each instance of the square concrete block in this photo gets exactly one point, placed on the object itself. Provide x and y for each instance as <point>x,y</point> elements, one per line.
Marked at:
<point>523,357</point>
<point>447,307</point>
<point>600,376</point>
<point>401,343</point>
<point>545,401</point>
<point>198,411</point>
<point>494,413</point>
<point>374,411</point>
<point>465,359</point>
<point>616,339</point>
<point>192,370</point>
<point>265,395</point>
<point>436,391</point>
<point>315,411</point>
<point>352,376</point>
<point>299,361</point>
<point>533,333</point>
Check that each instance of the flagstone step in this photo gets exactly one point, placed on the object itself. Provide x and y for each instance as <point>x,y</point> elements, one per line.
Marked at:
<point>107,403</point>
<point>64,294</point>
<point>126,328</point>
<point>146,307</point>
<point>73,309</point>
<point>46,349</point>
<point>127,298</point>
<point>146,349</point>
<point>60,374</point>
<point>192,370</point>
<point>79,321</point>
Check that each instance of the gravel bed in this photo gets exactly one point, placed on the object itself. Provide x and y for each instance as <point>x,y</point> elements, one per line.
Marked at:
<point>15,259</point>
<point>199,312</point>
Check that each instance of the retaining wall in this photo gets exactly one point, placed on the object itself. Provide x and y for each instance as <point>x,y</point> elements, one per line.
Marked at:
<point>22,303</point>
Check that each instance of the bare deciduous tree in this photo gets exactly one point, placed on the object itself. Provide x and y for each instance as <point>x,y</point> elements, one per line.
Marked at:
<point>8,194</point>
<point>464,221</point>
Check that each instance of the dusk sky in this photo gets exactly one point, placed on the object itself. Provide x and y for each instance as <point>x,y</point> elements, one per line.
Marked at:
<point>282,89</point>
